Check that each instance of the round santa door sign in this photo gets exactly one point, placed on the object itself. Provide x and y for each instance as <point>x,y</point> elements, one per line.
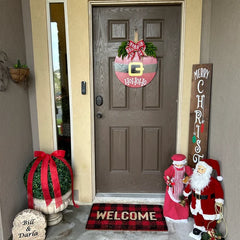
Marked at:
<point>133,67</point>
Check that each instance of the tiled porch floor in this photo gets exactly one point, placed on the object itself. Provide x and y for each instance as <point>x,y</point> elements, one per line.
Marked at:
<point>74,221</point>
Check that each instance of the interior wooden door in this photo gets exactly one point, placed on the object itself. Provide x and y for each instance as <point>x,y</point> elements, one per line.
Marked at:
<point>135,128</point>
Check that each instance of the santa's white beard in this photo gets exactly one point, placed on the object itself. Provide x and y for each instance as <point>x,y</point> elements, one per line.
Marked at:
<point>200,181</point>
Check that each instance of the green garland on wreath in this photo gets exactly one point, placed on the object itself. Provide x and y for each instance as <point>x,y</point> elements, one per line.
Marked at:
<point>150,49</point>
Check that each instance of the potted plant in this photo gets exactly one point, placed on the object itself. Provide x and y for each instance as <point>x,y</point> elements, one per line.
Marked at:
<point>64,175</point>
<point>19,72</point>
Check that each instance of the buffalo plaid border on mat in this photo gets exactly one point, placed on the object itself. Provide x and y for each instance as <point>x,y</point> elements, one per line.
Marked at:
<point>114,222</point>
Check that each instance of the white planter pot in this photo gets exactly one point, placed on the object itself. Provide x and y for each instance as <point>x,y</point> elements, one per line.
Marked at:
<point>54,215</point>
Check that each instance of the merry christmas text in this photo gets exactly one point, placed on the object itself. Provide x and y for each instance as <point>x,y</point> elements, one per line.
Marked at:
<point>200,75</point>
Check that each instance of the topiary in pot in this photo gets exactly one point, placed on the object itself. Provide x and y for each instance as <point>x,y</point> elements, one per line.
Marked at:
<point>63,175</point>
<point>48,179</point>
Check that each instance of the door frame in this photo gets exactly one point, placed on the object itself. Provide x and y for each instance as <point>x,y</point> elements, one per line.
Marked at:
<point>182,112</point>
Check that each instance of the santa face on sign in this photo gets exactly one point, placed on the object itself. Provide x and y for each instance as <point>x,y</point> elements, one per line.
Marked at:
<point>207,197</point>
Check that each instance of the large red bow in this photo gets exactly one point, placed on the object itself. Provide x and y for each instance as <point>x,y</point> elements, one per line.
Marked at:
<point>133,48</point>
<point>48,161</point>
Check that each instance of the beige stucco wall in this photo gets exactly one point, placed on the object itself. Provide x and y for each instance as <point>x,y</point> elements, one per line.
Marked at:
<point>15,125</point>
<point>190,55</point>
<point>80,70</point>
<point>42,74</point>
<point>220,45</point>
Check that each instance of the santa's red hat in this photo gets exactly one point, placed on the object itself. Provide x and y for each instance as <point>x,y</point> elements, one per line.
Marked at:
<point>179,159</point>
<point>214,165</point>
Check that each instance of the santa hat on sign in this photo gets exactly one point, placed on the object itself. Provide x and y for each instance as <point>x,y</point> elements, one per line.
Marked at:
<point>212,164</point>
<point>179,159</point>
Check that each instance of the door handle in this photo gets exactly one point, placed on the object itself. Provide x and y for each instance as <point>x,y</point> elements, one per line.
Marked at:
<point>99,115</point>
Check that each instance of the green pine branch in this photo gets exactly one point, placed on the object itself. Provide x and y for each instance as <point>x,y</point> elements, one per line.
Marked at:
<point>150,49</point>
<point>122,50</point>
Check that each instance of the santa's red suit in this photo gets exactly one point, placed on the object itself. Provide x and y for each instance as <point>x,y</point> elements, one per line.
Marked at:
<point>203,202</point>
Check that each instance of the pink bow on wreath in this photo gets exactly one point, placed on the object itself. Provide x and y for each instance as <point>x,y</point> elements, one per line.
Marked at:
<point>47,161</point>
<point>133,48</point>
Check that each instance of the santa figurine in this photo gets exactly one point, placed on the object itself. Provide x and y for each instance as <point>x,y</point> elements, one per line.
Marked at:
<point>207,197</point>
<point>176,176</point>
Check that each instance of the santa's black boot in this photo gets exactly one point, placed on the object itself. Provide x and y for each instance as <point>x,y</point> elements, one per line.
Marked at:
<point>196,234</point>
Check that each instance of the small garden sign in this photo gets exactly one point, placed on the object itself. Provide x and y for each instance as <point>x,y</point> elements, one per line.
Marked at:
<point>29,224</point>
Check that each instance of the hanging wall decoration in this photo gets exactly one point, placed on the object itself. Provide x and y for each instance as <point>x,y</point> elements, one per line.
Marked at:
<point>19,73</point>
<point>136,63</point>
<point>199,112</point>
<point>4,74</point>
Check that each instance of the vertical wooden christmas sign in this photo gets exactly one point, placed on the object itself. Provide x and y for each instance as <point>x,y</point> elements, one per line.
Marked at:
<point>199,112</point>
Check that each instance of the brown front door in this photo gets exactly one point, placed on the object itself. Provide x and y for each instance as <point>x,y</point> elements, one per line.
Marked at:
<point>135,128</point>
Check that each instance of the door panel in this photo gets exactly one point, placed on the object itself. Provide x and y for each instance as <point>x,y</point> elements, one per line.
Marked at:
<point>119,156</point>
<point>136,135</point>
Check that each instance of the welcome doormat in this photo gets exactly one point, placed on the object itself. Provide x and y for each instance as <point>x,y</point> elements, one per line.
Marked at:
<point>126,217</point>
